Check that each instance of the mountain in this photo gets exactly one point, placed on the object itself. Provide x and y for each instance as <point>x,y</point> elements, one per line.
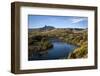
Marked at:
<point>47,28</point>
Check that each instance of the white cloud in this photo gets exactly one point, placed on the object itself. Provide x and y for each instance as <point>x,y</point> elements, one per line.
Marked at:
<point>76,20</point>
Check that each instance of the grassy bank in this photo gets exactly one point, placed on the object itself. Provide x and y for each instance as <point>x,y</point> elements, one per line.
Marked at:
<point>38,44</point>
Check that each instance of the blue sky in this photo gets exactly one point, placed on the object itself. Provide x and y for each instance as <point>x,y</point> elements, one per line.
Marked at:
<point>38,21</point>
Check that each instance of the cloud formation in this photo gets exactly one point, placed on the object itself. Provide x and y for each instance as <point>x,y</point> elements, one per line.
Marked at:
<point>77,20</point>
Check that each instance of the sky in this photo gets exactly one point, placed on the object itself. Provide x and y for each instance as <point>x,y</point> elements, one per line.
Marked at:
<point>38,21</point>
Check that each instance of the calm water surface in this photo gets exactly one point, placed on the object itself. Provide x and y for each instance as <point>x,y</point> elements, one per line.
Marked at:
<point>60,50</point>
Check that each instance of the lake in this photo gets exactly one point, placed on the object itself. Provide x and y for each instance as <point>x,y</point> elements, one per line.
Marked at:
<point>60,50</point>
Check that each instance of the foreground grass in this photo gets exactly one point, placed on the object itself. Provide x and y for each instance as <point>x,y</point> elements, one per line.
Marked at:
<point>38,44</point>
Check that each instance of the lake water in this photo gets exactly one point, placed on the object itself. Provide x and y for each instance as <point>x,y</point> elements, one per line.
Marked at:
<point>60,50</point>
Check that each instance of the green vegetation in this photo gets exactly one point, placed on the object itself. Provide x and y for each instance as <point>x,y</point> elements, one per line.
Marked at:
<point>38,44</point>
<point>81,42</point>
<point>80,52</point>
<point>39,40</point>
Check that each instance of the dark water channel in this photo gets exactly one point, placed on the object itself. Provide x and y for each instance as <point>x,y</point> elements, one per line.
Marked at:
<point>60,50</point>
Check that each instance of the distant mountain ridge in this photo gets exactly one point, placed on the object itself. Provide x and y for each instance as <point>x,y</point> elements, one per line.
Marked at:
<point>44,28</point>
<point>47,28</point>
